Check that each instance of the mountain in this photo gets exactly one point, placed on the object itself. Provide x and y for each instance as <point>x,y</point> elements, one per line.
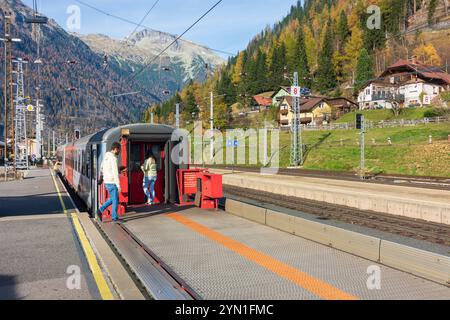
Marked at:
<point>90,104</point>
<point>186,60</point>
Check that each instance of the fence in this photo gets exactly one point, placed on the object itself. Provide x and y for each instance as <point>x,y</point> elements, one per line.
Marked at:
<point>378,124</point>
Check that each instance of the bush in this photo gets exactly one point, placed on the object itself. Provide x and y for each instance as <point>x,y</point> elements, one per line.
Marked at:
<point>445,96</point>
<point>433,113</point>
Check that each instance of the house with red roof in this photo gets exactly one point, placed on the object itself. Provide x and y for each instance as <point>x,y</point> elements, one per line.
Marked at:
<point>407,83</point>
<point>263,100</point>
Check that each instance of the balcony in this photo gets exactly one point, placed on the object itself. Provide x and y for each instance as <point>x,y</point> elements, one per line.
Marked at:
<point>284,112</point>
<point>388,96</point>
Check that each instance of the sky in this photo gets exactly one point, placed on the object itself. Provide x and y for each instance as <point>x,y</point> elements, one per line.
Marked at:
<point>229,27</point>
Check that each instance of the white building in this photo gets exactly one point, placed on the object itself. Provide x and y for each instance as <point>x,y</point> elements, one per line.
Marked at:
<point>408,83</point>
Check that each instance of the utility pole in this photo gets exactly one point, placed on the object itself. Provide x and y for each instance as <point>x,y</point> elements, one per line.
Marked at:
<point>177,116</point>
<point>20,134</point>
<point>36,21</point>
<point>11,107</point>
<point>361,124</point>
<point>39,128</point>
<point>54,143</point>
<point>211,121</point>
<point>297,144</point>
<point>152,119</point>
<point>48,145</point>
<point>5,92</point>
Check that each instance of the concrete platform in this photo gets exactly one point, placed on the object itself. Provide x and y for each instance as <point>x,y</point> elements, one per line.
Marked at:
<point>222,256</point>
<point>426,204</point>
<point>38,245</point>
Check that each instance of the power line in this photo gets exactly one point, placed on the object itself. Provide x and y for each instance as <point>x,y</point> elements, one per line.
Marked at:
<point>144,26</point>
<point>111,107</point>
<point>139,25</point>
<point>146,65</point>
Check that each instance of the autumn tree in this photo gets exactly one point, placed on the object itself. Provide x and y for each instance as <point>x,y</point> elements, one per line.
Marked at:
<point>426,53</point>
<point>352,51</point>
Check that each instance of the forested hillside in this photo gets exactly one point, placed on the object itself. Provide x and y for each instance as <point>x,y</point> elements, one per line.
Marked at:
<point>335,45</point>
<point>74,95</point>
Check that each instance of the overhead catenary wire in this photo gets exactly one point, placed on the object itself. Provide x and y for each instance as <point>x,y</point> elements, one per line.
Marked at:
<point>149,63</point>
<point>139,25</point>
<point>144,26</point>
<point>112,107</point>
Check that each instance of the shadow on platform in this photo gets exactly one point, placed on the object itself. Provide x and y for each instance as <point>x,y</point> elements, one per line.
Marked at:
<point>39,204</point>
<point>8,288</point>
<point>151,211</point>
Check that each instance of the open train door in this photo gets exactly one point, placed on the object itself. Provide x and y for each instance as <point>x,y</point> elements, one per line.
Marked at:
<point>171,168</point>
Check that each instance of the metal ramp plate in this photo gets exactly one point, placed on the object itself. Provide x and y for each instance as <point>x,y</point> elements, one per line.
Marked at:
<point>226,257</point>
<point>158,284</point>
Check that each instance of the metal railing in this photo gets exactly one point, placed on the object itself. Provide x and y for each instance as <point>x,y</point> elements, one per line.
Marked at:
<point>378,124</point>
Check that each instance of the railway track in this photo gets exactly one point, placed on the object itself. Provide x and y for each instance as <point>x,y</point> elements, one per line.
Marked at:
<point>412,228</point>
<point>438,183</point>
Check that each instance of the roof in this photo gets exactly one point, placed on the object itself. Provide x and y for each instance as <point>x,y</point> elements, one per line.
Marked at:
<point>137,131</point>
<point>285,89</point>
<point>422,70</point>
<point>414,81</point>
<point>306,105</point>
<point>263,101</point>
<point>268,94</point>
<point>340,102</point>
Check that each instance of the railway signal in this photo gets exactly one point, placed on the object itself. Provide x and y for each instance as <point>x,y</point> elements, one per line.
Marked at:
<point>360,125</point>
<point>359,121</point>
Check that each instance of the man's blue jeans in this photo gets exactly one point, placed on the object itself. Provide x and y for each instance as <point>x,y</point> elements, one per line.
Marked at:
<point>149,188</point>
<point>113,200</point>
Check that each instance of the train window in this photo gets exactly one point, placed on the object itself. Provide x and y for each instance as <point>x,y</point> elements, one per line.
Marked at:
<point>83,162</point>
<point>135,157</point>
<point>88,164</point>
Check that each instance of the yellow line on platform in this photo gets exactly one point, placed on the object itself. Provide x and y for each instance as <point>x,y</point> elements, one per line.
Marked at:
<point>312,284</point>
<point>99,278</point>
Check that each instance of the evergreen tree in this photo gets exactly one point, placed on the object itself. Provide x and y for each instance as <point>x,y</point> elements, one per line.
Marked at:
<point>326,76</point>
<point>277,67</point>
<point>250,78</point>
<point>261,72</point>
<point>343,31</point>
<point>302,65</point>
<point>226,88</point>
<point>364,70</point>
<point>190,106</point>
